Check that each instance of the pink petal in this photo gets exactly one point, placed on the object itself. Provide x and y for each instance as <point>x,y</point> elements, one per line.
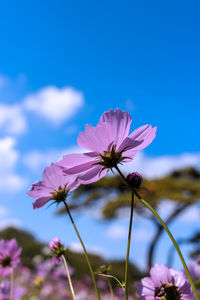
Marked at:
<point>128,144</point>
<point>80,168</point>
<point>38,189</point>
<point>93,175</point>
<point>96,139</point>
<point>51,176</point>
<point>120,122</point>
<point>76,159</point>
<point>160,274</point>
<point>41,202</point>
<point>144,134</point>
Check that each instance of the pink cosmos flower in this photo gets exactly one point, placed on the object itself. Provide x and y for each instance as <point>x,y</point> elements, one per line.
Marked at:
<point>54,186</point>
<point>109,144</point>
<point>9,256</point>
<point>18,291</point>
<point>57,250</point>
<point>165,283</point>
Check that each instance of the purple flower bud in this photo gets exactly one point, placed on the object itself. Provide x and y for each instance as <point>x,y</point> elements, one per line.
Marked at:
<point>134,179</point>
<point>57,250</point>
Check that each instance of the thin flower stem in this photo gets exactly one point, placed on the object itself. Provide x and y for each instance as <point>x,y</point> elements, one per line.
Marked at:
<point>84,249</point>
<point>11,283</point>
<point>111,276</point>
<point>110,288</point>
<point>128,247</point>
<point>129,235</point>
<point>169,233</point>
<point>69,278</point>
<point>174,242</point>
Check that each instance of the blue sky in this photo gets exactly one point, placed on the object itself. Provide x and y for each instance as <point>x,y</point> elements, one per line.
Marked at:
<point>63,64</point>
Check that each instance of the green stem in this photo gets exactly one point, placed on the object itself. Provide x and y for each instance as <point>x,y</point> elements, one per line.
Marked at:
<point>69,277</point>
<point>11,283</point>
<point>111,289</point>
<point>173,241</point>
<point>168,231</point>
<point>84,249</point>
<point>111,276</point>
<point>128,247</point>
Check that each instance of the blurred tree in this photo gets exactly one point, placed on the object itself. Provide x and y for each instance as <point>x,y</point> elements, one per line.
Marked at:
<point>32,247</point>
<point>110,195</point>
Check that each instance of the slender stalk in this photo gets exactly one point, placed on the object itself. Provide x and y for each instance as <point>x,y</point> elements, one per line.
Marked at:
<point>69,277</point>
<point>84,249</point>
<point>169,233</point>
<point>128,247</point>
<point>111,276</point>
<point>11,283</point>
<point>111,289</point>
<point>174,242</point>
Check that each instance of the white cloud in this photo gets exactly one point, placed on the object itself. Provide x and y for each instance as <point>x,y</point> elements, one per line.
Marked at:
<point>116,232</point>
<point>36,160</point>
<point>3,211</point>
<point>9,180</point>
<point>159,166</point>
<point>120,232</point>
<point>76,247</point>
<point>54,104</point>
<point>9,223</point>
<point>12,120</point>
<point>191,215</point>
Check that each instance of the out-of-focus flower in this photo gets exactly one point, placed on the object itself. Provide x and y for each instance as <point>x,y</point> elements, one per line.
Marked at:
<point>135,179</point>
<point>54,186</point>
<point>164,284</point>
<point>109,144</point>
<point>9,256</point>
<point>194,269</point>
<point>18,291</point>
<point>57,250</point>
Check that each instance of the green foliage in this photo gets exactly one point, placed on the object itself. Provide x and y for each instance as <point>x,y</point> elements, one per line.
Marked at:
<point>182,186</point>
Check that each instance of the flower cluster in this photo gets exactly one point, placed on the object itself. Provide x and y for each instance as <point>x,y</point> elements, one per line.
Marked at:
<point>108,144</point>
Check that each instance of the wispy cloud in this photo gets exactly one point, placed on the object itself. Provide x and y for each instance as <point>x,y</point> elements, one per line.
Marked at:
<point>158,166</point>
<point>54,104</point>
<point>12,119</point>
<point>10,181</point>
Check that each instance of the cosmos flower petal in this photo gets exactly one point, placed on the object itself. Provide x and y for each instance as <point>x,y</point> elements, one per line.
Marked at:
<point>96,138</point>
<point>160,274</point>
<point>38,189</point>
<point>75,159</point>
<point>93,175</point>
<point>80,168</point>
<point>41,202</point>
<point>144,134</point>
<point>51,176</point>
<point>120,121</point>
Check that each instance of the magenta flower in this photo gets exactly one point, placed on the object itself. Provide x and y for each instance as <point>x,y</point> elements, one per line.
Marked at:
<point>18,291</point>
<point>164,284</point>
<point>57,250</point>
<point>9,256</point>
<point>109,144</point>
<point>54,186</point>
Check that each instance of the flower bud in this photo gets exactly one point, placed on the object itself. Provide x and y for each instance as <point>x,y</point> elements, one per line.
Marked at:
<point>57,250</point>
<point>134,179</point>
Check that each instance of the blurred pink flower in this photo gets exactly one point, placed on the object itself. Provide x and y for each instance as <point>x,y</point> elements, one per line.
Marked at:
<point>18,291</point>
<point>109,144</point>
<point>9,256</point>
<point>54,186</point>
<point>165,283</point>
